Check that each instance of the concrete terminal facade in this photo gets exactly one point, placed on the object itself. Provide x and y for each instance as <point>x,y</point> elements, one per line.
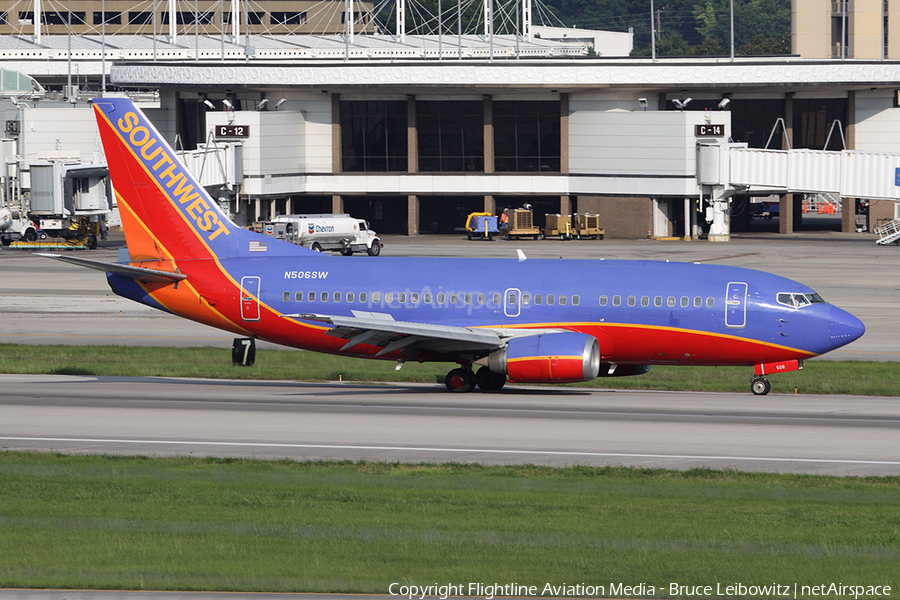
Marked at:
<point>415,146</point>
<point>415,135</point>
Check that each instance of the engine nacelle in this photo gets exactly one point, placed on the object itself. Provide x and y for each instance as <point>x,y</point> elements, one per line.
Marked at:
<point>548,358</point>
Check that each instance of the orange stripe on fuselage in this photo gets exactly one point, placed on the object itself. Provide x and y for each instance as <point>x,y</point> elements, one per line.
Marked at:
<point>630,343</point>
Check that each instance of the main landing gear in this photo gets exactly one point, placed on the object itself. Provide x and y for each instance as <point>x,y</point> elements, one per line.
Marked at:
<point>464,380</point>
<point>760,386</point>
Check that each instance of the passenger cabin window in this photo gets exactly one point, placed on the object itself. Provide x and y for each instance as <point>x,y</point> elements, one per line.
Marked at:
<point>497,299</point>
<point>657,301</point>
<point>685,301</point>
<point>617,300</point>
<point>337,296</point>
<point>401,297</point>
<point>603,300</point>
<point>526,299</point>
<point>538,299</point>
<point>467,298</point>
<point>350,296</point>
<point>563,299</point>
<point>482,299</point>
<point>698,301</point>
<point>363,296</point>
<point>376,297</point>
<point>427,298</point>
<point>388,297</point>
<point>551,299</point>
<point>670,301</point>
<point>323,296</point>
<point>576,300</point>
<point>414,298</point>
<point>710,302</point>
<point>441,298</point>
<point>454,298</point>
<point>311,296</point>
<point>286,296</point>
<point>298,297</point>
<point>645,300</point>
<point>631,300</point>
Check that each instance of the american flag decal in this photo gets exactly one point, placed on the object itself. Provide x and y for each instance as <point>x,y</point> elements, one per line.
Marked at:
<point>258,246</point>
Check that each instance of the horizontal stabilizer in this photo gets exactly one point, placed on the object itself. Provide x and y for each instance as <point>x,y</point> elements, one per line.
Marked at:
<point>139,273</point>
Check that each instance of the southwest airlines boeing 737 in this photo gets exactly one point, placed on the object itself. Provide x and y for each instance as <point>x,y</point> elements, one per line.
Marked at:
<point>529,321</point>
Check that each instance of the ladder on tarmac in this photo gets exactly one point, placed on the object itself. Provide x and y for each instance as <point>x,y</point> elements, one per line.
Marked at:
<point>827,203</point>
<point>889,233</point>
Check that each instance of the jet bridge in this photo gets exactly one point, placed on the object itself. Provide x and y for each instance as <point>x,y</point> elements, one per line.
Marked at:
<point>728,168</point>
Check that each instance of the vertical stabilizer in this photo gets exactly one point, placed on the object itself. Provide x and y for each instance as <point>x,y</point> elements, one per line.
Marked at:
<point>166,213</point>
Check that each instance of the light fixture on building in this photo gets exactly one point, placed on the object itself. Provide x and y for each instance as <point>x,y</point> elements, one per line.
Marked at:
<point>227,103</point>
<point>209,105</point>
<point>643,103</point>
<point>262,104</point>
<point>681,104</point>
<point>723,103</point>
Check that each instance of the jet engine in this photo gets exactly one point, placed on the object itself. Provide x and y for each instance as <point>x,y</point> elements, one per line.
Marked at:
<point>547,358</point>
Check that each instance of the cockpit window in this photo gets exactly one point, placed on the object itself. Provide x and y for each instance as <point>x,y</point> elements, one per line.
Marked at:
<point>799,300</point>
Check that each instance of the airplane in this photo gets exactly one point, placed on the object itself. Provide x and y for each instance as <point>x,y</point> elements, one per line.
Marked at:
<point>519,320</point>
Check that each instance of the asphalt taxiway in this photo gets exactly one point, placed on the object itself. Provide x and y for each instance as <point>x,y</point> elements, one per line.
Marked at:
<point>46,302</point>
<point>840,435</point>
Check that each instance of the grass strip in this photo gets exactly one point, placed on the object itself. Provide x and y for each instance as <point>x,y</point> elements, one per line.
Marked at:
<point>818,377</point>
<point>225,524</point>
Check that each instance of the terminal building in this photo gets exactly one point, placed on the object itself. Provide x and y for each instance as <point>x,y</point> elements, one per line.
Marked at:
<point>413,132</point>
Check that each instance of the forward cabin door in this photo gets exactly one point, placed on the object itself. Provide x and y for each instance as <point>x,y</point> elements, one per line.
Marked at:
<point>736,305</point>
<point>250,298</point>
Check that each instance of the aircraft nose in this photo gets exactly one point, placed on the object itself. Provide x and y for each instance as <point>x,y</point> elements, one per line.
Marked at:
<point>845,328</point>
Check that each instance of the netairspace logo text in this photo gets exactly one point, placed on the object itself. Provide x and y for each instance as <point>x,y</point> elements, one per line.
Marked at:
<point>489,591</point>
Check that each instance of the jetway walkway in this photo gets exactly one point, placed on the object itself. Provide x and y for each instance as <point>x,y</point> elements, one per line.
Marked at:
<point>845,174</point>
<point>725,169</point>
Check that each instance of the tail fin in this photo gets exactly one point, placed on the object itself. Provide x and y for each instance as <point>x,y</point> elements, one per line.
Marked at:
<point>166,213</point>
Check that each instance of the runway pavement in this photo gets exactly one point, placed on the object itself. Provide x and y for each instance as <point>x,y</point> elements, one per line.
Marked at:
<point>841,435</point>
<point>46,302</point>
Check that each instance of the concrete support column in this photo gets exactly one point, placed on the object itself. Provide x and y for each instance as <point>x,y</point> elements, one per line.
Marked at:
<point>337,204</point>
<point>490,205</point>
<point>336,149</point>
<point>786,205</point>
<point>488,134</point>
<point>687,219</point>
<point>848,205</point>
<point>565,205</point>
<point>273,208</point>
<point>412,136</point>
<point>256,209</point>
<point>848,215</point>
<point>412,215</point>
<point>786,214</point>
<point>564,134</point>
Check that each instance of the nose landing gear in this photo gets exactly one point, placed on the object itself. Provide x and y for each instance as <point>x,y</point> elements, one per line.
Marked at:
<point>760,386</point>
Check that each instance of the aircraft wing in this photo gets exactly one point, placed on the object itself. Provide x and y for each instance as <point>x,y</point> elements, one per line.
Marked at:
<point>382,330</point>
<point>139,273</point>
